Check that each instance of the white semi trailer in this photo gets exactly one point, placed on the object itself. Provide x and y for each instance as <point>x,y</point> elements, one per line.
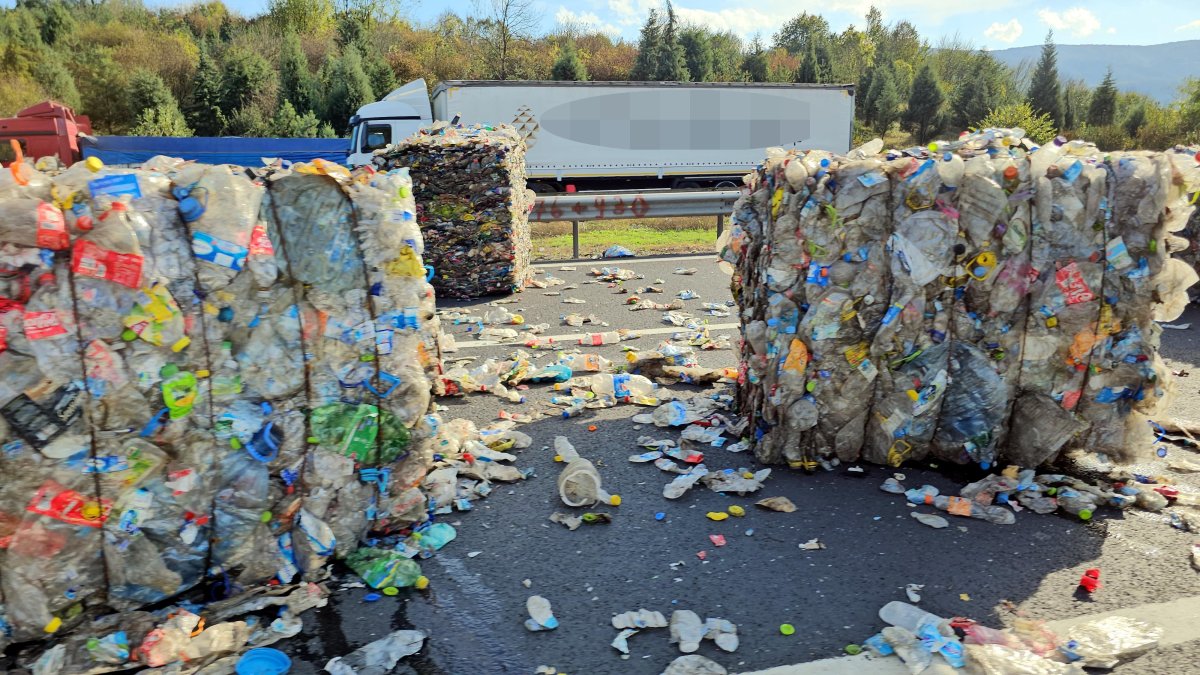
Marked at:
<point>617,135</point>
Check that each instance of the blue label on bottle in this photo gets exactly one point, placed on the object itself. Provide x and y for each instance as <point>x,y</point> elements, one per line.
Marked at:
<point>120,184</point>
<point>218,251</point>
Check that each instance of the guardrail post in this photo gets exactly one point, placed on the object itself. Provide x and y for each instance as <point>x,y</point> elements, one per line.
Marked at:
<point>720,224</point>
<point>575,239</point>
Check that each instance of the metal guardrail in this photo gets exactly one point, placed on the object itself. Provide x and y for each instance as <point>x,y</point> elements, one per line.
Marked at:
<point>577,206</point>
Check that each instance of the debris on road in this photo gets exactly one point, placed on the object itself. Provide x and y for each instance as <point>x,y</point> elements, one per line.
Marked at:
<point>378,657</point>
<point>541,616</point>
<point>780,504</point>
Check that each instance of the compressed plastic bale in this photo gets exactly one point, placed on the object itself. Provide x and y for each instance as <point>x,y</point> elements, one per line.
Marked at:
<point>912,337</point>
<point>988,314</point>
<point>473,206</point>
<point>224,207</point>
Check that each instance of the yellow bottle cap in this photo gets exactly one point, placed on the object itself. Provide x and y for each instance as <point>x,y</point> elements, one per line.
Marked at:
<point>736,510</point>
<point>615,500</point>
<point>717,515</point>
<point>91,511</point>
<point>93,164</point>
<point>54,624</point>
<point>422,582</point>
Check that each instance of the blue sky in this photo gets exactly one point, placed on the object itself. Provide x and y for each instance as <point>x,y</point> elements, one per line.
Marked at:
<point>987,23</point>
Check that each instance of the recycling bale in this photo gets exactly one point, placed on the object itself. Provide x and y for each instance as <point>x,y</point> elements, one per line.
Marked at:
<point>1019,290</point>
<point>208,374</point>
<point>472,203</point>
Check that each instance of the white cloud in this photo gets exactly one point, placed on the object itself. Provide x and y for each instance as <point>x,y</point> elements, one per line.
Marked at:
<point>1191,25</point>
<point>631,12</point>
<point>744,22</point>
<point>1112,30</point>
<point>1005,32</point>
<point>585,20</point>
<point>1077,21</point>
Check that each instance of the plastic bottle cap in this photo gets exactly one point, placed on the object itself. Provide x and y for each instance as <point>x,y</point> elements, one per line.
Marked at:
<point>263,661</point>
<point>391,590</point>
<point>91,511</point>
<point>128,335</point>
<point>168,370</point>
<point>372,597</point>
<point>615,500</point>
<point>1085,514</point>
<point>190,209</point>
<point>54,624</point>
<point>736,510</point>
<point>853,650</point>
<point>181,344</point>
<point>266,517</point>
<point>787,629</point>
<point>660,515</point>
<point>422,582</point>
<point>93,164</point>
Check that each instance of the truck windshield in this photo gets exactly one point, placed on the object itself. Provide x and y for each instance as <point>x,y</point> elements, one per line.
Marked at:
<point>375,136</point>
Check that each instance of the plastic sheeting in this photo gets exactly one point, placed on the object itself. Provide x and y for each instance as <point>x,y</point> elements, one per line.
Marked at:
<point>206,372</point>
<point>895,306</point>
<point>472,204</point>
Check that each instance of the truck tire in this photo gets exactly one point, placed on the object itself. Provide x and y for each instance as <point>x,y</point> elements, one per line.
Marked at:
<point>542,188</point>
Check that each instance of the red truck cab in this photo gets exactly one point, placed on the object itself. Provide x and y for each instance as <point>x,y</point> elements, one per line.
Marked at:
<point>48,128</point>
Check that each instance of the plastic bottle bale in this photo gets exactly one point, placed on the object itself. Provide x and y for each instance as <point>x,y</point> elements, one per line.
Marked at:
<point>53,510</point>
<point>846,282</point>
<point>473,206</point>
<point>990,280</point>
<point>911,343</point>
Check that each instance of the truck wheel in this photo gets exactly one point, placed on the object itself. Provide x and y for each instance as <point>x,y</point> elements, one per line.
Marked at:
<point>727,185</point>
<point>686,185</point>
<point>541,188</point>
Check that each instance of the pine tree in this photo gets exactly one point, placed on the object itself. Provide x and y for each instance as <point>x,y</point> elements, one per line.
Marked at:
<point>383,78</point>
<point>755,64</point>
<point>824,64</point>
<point>1044,90</point>
<point>883,101</point>
<point>924,104</point>
<point>976,96</point>
<point>860,92</point>
<point>671,64</point>
<point>1135,121</point>
<point>161,120</point>
<point>569,67</point>
<point>203,111</point>
<point>57,81</point>
<point>147,90</point>
<point>645,66</point>
<point>296,82</point>
<point>807,72</point>
<point>348,89</point>
<point>697,53</point>
<point>246,75</point>
<point>1103,109</point>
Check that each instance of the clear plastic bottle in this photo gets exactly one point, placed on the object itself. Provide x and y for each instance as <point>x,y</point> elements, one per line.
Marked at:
<point>33,223</point>
<point>621,385</point>
<point>585,363</point>
<point>611,337</point>
<point>220,205</point>
<point>908,617</point>
<point>951,169</point>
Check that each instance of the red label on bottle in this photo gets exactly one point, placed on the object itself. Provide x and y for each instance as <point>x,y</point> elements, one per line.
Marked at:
<point>3,338</point>
<point>260,243</point>
<point>1074,288</point>
<point>60,503</point>
<point>90,260</point>
<point>51,227</point>
<point>42,325</point>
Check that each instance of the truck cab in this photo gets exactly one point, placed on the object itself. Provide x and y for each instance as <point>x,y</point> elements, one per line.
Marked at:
<point>397,115</point>
<point>48,128</point>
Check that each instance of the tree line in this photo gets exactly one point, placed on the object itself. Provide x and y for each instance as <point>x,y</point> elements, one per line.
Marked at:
<point>303,67</point>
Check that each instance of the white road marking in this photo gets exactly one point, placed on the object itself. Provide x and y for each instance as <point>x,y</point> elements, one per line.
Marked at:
<point>573,338</point>
<point>585,265</point>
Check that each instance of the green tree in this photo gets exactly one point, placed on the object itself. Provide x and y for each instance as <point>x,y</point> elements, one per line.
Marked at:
<point>697,53</point>
<point>296,83</point>
<point>287,123</point>
<point>147,90</point>
<point>1135,121</point>
<point>246,76</point>
<point>670,61</point>
<point>161,120</point>
<point>800,32</point>
<point>824,64</point>
<point>755,64</point>
<point>57,81</point>
<point>98,76</point>
<point>249,121</point>
<point>568,67</point>
<point>727,57</point>
<point>1103,108</point>
<point>383,78</point>
<point>1038,126</point>
<point>646,65</point>
<point>808,72</point>
<point>203,108</point>
<point>924,105</point>
<point>1189,110</point>
<point>310,17</point>
<point>883,101</point>
<point>978,93</point>
<point>348,89</point>
<point>57,23</point>
<point>1044,90</point>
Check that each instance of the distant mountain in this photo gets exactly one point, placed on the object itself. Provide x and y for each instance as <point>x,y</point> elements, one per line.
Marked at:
<point>1154,70</point>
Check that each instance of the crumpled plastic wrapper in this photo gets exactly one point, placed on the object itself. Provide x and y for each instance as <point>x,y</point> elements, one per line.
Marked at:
<point>895,305</point>
<point>1107,642</point>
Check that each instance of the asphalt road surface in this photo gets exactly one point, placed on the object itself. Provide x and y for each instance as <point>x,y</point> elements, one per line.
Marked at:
<point>475,607</point>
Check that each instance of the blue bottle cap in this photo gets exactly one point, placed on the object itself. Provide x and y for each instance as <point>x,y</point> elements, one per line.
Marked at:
<point>263,661</point>
<point>190,209</point>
